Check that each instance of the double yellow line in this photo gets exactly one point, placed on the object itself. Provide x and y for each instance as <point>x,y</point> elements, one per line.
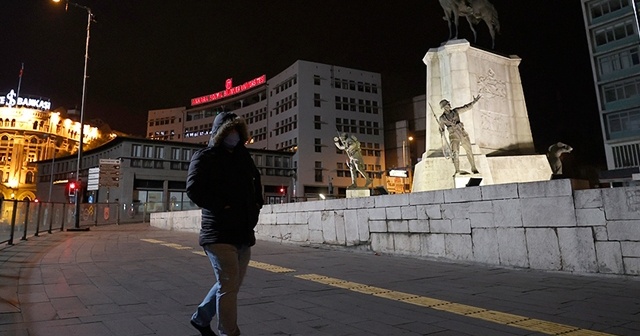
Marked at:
<point>516,321</point>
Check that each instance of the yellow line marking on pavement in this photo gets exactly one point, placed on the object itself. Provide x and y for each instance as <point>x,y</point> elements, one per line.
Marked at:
<point>153,241</point>
<point>517,321</point>
<point>177,246</point>
<point>269,267</point>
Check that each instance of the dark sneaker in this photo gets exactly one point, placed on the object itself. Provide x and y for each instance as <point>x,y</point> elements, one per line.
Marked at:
<point>204,331</point>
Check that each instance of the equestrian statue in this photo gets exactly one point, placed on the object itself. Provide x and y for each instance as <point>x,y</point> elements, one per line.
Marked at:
<point>474,11</point>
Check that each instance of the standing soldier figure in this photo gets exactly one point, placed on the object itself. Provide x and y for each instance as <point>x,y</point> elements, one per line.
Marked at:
<point>457,135</point>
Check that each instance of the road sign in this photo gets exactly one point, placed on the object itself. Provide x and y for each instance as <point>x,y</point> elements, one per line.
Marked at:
<point>109,175</point>
<point>93,182</point>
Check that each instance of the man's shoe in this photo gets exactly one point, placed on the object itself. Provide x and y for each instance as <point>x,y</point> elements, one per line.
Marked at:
<point>204,331</point>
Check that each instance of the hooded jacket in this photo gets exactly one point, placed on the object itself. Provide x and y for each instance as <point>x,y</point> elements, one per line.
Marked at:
<point>226,184</point>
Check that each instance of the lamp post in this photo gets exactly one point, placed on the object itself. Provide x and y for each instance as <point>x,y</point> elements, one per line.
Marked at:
<point>84,90</point>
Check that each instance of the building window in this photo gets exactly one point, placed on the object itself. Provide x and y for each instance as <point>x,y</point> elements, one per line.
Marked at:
<point>136,151</point>
<point>318,171</point>
<point>317,100</point>
<point>623,124</point>
<point>618,61</point>
<point>316,80</point>
<point>318,145</point>
<point>159,154</point>
<point>317,122</point>
<point>614,33</point>
<point>621,90</point>
<point>600,8</point>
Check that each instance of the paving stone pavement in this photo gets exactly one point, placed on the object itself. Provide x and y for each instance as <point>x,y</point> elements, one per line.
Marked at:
<point>137,280</point>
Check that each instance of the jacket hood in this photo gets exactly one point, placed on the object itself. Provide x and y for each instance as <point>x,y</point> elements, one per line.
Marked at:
<point>223,124</point>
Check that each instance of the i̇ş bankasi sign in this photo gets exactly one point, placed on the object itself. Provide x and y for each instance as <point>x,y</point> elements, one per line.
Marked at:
<point>230,90</point>
<point>11,100</point>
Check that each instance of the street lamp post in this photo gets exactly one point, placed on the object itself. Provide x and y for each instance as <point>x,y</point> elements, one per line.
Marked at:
<point>84,90</point>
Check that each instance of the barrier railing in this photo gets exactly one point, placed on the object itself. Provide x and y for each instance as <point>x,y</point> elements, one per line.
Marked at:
<point>23,219</point>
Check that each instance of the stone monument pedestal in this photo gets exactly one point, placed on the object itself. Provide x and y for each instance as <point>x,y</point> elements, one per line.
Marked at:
<point>358,192</point>
<point>498,124</point>
<point>438,172</point>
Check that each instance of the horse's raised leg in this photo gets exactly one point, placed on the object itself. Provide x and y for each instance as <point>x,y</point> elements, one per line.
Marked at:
<point>455,20</point>
<point>473,29</point>
<point>492,32</point>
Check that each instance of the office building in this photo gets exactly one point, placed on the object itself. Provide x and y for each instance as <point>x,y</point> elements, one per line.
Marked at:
<point>300,110</point>
<point>614,46</point>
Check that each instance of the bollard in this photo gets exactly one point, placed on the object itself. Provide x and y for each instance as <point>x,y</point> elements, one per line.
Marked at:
<point>13,222</point>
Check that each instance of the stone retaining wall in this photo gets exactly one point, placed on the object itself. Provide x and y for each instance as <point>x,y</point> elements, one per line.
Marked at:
<point>540,225</point>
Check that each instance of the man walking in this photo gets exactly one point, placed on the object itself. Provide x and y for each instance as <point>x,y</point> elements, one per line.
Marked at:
<point>224,181</point>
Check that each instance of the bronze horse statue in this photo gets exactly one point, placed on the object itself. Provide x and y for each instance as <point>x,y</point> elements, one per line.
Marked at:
<point>474,11</point>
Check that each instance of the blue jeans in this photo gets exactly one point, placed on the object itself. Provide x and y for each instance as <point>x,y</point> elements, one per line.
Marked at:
<point>229,266</point>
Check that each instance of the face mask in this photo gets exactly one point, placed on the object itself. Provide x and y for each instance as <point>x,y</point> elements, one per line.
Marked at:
<point>231,140</point>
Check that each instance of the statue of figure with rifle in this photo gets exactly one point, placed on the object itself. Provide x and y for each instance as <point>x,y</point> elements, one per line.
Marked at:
<point>351,146</point>
<point>450,119</point>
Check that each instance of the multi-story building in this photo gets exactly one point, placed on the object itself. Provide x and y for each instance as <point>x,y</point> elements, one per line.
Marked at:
<point>301,110</point>
<point>30,132</point>
<point>614,45</point>
<point>152,174</point>
<point>166,124</point>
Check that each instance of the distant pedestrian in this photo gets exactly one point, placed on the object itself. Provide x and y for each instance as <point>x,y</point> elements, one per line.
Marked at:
<point>224,181</point>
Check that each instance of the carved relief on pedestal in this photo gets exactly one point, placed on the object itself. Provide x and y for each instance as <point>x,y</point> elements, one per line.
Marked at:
<point>491,87</point>
<point>495,124</point>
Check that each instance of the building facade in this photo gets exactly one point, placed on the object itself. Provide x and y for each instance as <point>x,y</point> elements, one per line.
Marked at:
<point>166,124</point>
<point>152,174</point>
<point>30,132</point>
<point>614,45</point>
<point>300,110</point>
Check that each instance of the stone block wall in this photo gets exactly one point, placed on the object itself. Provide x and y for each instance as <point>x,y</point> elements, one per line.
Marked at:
<point>541,225</point>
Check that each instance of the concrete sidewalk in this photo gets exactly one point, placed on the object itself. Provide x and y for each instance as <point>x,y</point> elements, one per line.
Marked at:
<point>137,280</point>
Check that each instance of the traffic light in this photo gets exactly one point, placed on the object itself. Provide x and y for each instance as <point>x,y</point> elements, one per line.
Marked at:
<point>73,188</point>
<point>283,190</point>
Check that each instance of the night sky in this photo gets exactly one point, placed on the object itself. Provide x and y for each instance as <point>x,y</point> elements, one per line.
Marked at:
<point>159,54</point>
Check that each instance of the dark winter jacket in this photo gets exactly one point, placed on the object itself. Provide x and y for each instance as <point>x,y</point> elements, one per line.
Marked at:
<point>226,185</point>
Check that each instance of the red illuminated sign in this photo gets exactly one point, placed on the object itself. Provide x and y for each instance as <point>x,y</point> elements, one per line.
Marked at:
<point>230,90</point>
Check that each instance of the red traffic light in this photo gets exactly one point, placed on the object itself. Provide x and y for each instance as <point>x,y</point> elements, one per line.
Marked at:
<point>72,185</point>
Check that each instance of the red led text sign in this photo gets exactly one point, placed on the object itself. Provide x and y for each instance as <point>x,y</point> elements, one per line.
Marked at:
<point>230,90</point>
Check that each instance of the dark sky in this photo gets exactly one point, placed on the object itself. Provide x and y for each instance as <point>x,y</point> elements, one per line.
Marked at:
<point>148,54</point>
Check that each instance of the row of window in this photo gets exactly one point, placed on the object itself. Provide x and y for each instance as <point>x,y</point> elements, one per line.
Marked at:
<point>285,85</point>
<point>621,90</point>
<point>357,126</point>
<point>342,170</point>
<point>286,125</point>
<point>623,122</point>
<point>286,103</point>
<point>614,33</point>
<point>354,86</point>
<point>363,106</point>
<point>604,7</point>
<point>271,161</point>
<point>259,134</point>
<point>163,121</point>
<point>158,152</point>
<point>286,128</point>
<point>206,113</point>
<point>258,115</point>
<point>290,145</point>
<point>619,61</point>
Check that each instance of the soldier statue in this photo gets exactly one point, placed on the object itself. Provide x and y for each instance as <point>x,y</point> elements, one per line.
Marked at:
<point>450,119</point>
<point>351,145</point>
